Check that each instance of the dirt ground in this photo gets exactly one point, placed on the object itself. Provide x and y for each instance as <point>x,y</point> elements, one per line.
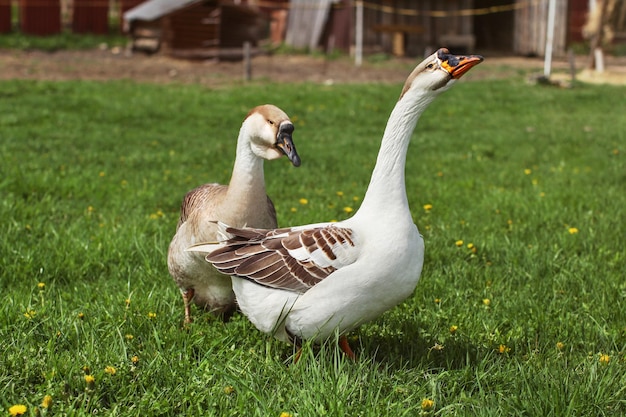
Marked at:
<point>109,64</point>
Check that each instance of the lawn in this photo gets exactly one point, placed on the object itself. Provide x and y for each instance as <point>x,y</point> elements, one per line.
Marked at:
<point>519,191</point>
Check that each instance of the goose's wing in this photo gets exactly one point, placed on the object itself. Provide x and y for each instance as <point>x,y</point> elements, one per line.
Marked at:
<point>198,197</point>
<point>293,259</point>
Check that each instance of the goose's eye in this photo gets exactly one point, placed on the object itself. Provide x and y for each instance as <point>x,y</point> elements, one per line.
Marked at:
<point>430,66</point>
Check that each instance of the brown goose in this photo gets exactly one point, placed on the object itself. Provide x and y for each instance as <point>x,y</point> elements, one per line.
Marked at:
<point>265,134</point>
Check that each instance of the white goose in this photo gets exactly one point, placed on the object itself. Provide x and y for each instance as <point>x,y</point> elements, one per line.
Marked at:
<point>308,282</point>
<point>265,134</point>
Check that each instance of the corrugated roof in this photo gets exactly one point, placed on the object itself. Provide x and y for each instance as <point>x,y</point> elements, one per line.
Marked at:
<point>154,9</point>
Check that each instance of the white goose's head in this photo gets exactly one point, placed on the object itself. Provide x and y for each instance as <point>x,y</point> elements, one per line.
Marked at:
<point>439,71</point>
<point>269,131</point>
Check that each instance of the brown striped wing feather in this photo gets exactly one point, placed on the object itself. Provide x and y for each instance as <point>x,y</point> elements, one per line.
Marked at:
<point>288,259</point>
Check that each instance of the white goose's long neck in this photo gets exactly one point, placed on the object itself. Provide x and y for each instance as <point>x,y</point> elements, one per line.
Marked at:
<point>247,183</point>
<point>387,190</point>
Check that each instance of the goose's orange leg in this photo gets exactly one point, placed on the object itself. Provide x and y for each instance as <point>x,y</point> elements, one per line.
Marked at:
<point>296,357</point>
<point>187,296</point>
<point>345,347</point>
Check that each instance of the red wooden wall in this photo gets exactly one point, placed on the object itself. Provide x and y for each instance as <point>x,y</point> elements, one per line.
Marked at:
<point>578,10</point>
<point>5,16</point>
<point>91,16</point>
<point>40,17</point>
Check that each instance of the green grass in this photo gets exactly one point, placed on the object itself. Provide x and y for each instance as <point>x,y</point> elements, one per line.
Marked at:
<point>61,41</point>
<point>91,179</point>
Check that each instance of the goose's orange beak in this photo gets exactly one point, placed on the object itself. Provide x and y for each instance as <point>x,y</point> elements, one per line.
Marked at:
<point>457,65</point>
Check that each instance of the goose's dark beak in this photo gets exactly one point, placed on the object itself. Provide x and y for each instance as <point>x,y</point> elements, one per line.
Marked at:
<point>284,142</point>
<point>457,65</point>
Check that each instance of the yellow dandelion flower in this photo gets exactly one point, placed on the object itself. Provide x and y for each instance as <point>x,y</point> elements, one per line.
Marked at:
<point>127,301</point>
<point>459,243</point>
<point>293,209</point>
<point>41,285</point>
<point>30,314</point>
<point>504,349</point>
<point>81,316</point>
<point>470,246</point>
<point>86,369</point>
<point>509,222</point>
<point>527,171</point>
<point>486,302</point>
<point>129,337</point>
<point>89,379</point>
<point>605,359</point>
<point>427,404</point>
<point>428,207</point>
<point>102,174</point>
<point>286,414</point>
<point>47,401</point>
<point>90,209</point>
<point>453,329</point>
<point>348,209</point>
<point>303,201</point>
<point>572,230</point>
<point>151,315</point>
<point>17,409</point>
<point>560,345</point>
<point>437,300</point>
<point>356,198</point>
<point>110,370</point>
<point>135,359</point>
<point>339,193</point>
<point>228,390</point>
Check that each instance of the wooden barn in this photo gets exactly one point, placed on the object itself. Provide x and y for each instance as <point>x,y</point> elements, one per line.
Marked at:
<point>400,27</point>
<point>193,29</point>
<point>408,27</point>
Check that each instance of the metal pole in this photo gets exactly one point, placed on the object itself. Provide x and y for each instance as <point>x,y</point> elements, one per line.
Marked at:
<point>358,34</point>
<point>547,64</point>
<point>247,64</point>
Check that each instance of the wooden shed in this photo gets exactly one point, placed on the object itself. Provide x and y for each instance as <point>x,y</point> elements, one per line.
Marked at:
<point>413,28</point>
<point>194,29</point>
<point>399,27</point>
